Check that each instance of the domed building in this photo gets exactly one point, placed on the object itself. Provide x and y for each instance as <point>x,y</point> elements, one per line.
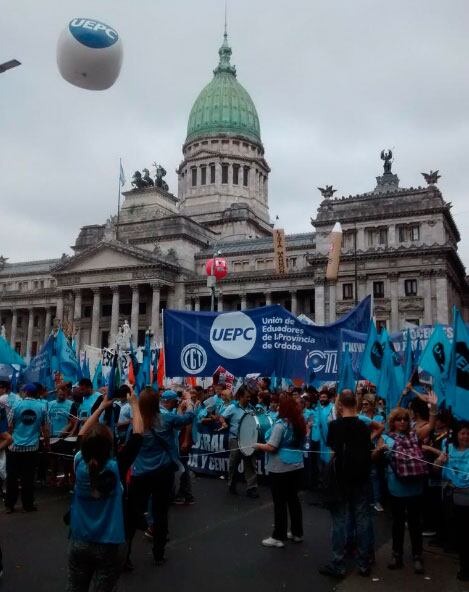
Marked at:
<point>223,179</point>
<point>399,244</point>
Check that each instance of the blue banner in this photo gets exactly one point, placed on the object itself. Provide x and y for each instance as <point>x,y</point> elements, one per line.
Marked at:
<point>265,340</point>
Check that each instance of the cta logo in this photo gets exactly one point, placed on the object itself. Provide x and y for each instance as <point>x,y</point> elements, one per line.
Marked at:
<point>193,358</point>
<point>318,361</point>
<point>93,33</point>
<point>233,335</point>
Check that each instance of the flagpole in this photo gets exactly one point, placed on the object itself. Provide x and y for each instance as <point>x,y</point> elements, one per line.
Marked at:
<point>119,200</point>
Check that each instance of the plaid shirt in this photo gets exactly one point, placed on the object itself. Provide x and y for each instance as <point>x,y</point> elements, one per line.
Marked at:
<point>407,457</point>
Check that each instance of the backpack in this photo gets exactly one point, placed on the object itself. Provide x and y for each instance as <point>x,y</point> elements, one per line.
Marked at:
<point>407,457</point>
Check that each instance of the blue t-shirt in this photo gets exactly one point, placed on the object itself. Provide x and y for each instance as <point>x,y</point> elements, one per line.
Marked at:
<point>97,516</point>
<point>315,433</point>
<point>233,415</point>
<point>27,418</point>
<point>401,487</point>
<point>325,415</point>
<point>84,411</point>
<point>59,412</point>
<point>456,469</point>
<point>153,453</point>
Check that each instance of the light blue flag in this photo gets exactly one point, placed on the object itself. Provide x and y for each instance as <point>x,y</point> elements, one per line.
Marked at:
<point>435,360</point>
<point>144,372</point>
<point>457,392</point>
<point>408,358</point>
<point>273,382</point>
<point>389,386</point>
<point>370,368</point>
<point>85,370</point>
<point>8,355</point>
<point>98,380</point>
<point>64,358</point>
<point>346,377</point>
<point>40,367</point>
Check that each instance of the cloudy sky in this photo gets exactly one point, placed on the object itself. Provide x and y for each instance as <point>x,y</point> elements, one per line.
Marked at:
<point>333,82</point>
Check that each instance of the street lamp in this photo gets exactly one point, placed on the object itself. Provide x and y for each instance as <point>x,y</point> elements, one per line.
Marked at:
<point>9,65</point>
<point>211,279</point>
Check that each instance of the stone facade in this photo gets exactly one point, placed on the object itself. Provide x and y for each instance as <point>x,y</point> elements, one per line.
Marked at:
<point>398,244</point>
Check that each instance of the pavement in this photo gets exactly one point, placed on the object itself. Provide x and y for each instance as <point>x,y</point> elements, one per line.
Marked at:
<point>214,547</point>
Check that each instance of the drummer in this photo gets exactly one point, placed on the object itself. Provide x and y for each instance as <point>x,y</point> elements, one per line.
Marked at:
<point>91,399</point>
<point>61,424</point>
<point>231,418</point>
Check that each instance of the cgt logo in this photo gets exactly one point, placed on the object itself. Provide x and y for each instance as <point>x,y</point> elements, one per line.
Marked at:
<point>93,33</point>
<point>233,335</point>
<point>193,358</point>
<point>28,417</point>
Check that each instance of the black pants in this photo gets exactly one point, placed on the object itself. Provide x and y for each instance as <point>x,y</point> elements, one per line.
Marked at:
<point>461,513</point>
<point>406,508</point>
<point>159,485</point>
<point>21,467</point>
<point>285,487</point>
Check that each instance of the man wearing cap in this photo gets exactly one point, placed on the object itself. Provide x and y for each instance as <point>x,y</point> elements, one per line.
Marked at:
<point>27,419</point>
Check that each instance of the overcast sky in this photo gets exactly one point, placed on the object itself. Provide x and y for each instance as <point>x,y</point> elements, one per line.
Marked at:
<point>333,83</point>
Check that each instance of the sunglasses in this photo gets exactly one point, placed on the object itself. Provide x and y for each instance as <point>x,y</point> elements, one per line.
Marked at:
<point>401,419</point>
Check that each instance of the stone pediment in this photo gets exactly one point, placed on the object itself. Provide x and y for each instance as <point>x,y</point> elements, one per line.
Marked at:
<point>108,255</point>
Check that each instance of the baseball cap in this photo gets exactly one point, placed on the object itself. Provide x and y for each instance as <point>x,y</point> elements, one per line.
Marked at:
<point>169,395</point>
<point>30,388</point>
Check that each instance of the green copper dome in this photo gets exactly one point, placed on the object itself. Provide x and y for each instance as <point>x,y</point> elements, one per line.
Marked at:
<point>224,106</point>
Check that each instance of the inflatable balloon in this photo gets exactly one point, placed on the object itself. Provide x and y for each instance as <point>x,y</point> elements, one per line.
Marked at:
<point>89,54</point>
<point>221,268</point>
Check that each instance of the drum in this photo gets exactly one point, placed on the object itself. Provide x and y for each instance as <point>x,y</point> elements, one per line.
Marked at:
<point>252,429</point>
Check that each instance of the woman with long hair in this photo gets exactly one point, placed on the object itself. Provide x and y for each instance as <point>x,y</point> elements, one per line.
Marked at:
<point>158,459</point>
<point>406,473</point>
<point>285,466</point>
<point>455,463</point>
<point>97,514</point>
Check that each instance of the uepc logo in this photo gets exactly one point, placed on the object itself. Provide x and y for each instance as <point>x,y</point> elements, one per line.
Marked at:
<point>233,335</point>
<point>93,33</point>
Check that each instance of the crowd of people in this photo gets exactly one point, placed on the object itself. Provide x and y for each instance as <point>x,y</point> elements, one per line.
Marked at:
<point>126,459</point>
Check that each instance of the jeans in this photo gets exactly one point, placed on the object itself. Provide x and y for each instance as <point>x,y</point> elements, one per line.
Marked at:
<point>355,506</point>
<point>406,508</point>
<point>185,482</point>
<point>21,466</point>
<point>461,514</point>
<point>249,465</point>
<point>159,485</point>
<point>94,562</point>
<point>285,487</point>
<point>375,484</point>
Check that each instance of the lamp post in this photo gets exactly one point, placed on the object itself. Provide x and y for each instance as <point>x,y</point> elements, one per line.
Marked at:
<point>211,279</point>
<point>9,65</point>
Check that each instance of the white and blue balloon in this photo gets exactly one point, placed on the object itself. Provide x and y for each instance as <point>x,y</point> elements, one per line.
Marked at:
<point>89,54</point>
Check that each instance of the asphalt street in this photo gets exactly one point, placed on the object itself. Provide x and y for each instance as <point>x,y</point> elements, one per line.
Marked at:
<point>214,546</point>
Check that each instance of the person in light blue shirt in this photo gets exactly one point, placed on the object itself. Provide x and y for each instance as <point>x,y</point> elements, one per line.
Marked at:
<point>231,419</point>
<point>59,412</point>
<point>27,419</point>
<point>91,399</point>
<point>8,399</point>
<point>5,440</point>
<point>455,465</point>
<point>155,465</point>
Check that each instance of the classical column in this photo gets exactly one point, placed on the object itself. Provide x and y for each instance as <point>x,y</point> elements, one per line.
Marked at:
<point>220,301</point>
<point>29,339</point>
<point>95,316</point>
<point>319,309</point>
<point>332,301</point>
<point>77,318</point>
<point>14,324</point>
<point>114,312</point>
<point>394,282</point>
<point>180,294</point>
<point>268,298</point>
<point>59,311</point>
<point>197,303</point>
<point>47,325</point>
<point>155,310</point>
<point>427,297</point>
<point>442,310</point>
<point>294,302</point>
<point>244,302</point>
<point>135,312</point>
